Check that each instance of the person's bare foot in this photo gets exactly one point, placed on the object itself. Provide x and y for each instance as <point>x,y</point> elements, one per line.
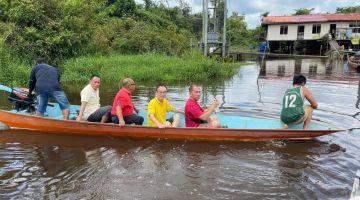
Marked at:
<point>285,126</point>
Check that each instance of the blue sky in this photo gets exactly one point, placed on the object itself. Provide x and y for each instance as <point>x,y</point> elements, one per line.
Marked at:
<point>254,8</point>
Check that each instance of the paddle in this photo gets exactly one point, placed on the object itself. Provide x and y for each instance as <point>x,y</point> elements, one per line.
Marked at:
<point>5,88</point>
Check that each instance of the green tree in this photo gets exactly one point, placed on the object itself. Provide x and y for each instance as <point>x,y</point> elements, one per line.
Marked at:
<point>54,29</point>
<point>121,8</point>
<point>265,14</point>
<point>354,9</point>
<point>237,30</point>
<point>303,11</point>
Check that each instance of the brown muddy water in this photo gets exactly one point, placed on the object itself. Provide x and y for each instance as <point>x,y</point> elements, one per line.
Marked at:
<point>55,166</point>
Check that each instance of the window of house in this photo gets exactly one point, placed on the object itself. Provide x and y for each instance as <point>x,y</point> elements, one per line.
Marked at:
<point>355,26</point>
<point>316,28</point>
<point>284,30</point>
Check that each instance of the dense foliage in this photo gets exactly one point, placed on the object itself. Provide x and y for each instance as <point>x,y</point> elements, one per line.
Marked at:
<point>240,36</point>
<point>84,37</point>
<point>61,29</point>
<point>190,67</point>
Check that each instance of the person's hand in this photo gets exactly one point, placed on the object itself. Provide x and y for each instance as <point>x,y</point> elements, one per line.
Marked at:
<point>161,126</point>
<point>121,123</point>
<point>215,103</point>
<point>78,118</point>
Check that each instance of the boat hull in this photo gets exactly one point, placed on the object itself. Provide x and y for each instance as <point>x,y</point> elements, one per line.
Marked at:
<point>22,121</point>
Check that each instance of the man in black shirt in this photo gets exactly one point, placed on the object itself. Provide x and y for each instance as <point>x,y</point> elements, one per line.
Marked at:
<point>45,79</point>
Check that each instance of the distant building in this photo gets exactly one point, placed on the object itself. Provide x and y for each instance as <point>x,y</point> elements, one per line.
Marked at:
<point>312,27</point>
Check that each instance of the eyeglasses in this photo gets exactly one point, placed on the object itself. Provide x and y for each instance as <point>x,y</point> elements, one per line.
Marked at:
<point>132,84</point>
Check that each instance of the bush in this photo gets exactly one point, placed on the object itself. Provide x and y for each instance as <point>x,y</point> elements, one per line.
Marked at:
<point>190,67</point>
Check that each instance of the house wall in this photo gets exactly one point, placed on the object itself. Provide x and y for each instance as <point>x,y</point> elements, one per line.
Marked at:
<point>273,33</point>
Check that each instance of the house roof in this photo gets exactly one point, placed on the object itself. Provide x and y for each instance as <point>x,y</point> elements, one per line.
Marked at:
<point>310,18</point>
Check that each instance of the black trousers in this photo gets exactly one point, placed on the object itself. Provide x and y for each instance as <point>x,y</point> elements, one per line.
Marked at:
<point>99,113</point>
<point>136,119</point>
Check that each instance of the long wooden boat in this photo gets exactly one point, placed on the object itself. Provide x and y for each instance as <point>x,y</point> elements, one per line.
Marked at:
<point>353,63</point>
<point>240,128</point>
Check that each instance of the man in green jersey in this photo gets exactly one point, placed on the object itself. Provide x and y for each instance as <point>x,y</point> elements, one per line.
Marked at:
<point>293,110</point>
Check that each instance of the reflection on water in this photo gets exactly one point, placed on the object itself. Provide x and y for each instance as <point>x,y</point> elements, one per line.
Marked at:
<point>37,165</point>
<point>314,67</point>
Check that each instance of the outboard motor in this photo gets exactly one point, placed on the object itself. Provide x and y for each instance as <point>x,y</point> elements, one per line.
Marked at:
<point>22,100</point>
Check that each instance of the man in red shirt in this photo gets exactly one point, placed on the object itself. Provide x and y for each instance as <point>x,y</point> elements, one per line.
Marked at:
<point>195,116</point>
<point>123,108</point>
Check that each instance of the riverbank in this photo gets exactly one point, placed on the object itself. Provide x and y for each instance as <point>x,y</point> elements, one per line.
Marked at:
<point>148,67</point>
<point>191,67</point>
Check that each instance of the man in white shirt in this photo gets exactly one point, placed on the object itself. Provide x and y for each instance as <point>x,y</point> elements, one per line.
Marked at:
<point>90,109</point>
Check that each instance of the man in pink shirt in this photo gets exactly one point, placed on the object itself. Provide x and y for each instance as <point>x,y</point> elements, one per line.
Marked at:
<point>195,116</point>
<point>123,108</point>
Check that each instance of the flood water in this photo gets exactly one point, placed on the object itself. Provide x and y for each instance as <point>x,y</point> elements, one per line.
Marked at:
<point>55,166</point>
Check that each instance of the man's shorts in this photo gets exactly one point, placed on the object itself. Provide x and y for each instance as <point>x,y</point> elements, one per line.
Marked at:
<point>58,96</point>
<point>308,110</point>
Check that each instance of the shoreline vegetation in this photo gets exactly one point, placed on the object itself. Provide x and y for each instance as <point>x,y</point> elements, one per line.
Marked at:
<point>190,67</point>
<point>147,41</point>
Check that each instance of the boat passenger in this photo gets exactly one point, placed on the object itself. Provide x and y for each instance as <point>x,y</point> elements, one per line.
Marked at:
<point>45,78</point>
<point>90,109</point>
<point>123,108</point>
<point>293,109</point>
<point>158,107</point>
<point>196,116</point>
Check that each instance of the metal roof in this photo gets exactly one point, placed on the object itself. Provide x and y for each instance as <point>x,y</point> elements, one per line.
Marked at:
<point>310,18</point>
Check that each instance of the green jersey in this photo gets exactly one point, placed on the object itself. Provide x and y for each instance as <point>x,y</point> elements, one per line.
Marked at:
<point>292,106</point>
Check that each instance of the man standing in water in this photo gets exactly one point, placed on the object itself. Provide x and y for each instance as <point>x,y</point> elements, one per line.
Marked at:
<point>45,79</point>
<point>293,109</point>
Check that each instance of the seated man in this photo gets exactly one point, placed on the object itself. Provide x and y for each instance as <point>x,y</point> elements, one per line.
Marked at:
<point>195,116</point>
<point>123,108</point>
<point>293,109</point>
<point>90,109</point>
<point>158,107</point>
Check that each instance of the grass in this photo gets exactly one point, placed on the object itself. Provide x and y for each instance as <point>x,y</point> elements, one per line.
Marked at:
<point>191,67</point>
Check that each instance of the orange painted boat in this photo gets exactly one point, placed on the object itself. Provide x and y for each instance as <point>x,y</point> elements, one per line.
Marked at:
<point>353,63</point>
<point>49,125</point>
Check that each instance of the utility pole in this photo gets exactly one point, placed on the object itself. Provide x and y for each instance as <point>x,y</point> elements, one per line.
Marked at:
<point>212,38</point>
<point>205,26</point>
<point>224,31</point>
<point>215,16</point>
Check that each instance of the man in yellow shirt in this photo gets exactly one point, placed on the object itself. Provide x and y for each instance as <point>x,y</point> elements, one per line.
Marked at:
<point>158,107</point>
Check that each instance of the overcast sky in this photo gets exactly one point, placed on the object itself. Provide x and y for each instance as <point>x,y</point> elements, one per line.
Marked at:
<point>254,8</point>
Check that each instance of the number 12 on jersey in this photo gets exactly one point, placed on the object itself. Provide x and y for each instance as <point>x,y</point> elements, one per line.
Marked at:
<point>290,101</point>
